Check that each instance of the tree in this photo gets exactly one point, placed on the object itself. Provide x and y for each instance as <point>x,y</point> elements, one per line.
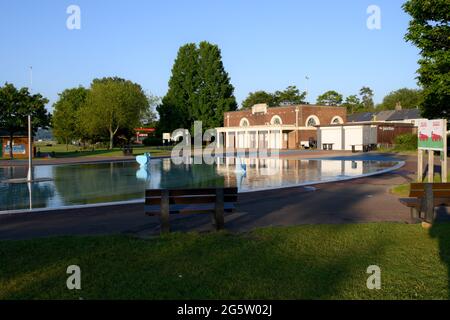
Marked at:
<point>199,89</point>
<point>65,120</point>
<point>367,98</point>
<point>215,92</point>
<point>290,96</point>
<point>330,98</point>
<point>353,104</point>
<point>258,97</point>
<point>429,30</point>
<point>112,104</point>
<point>15,106</point>
<point>149,116</point>
<point>408,98</point>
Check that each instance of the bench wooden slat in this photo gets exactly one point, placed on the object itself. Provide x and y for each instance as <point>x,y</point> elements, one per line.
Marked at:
<point>190,199</point>
<point>175,208</point>
<point>188,192</point>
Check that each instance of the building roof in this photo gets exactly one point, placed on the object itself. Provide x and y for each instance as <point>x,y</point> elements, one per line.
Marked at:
<point>405,114</point>
<point>360,117</point>
<point>385,115</point>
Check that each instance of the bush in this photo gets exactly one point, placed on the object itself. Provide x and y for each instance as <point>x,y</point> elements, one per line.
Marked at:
<point>407,141</point>
<point>152,142</point>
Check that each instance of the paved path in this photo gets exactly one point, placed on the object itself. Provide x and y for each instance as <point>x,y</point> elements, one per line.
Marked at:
<point>361,200</point>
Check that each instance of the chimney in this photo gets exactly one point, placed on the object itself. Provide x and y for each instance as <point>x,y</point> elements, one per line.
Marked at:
<point>398,106</point>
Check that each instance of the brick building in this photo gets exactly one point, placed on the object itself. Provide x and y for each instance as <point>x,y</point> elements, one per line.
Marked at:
<point>284,127</point>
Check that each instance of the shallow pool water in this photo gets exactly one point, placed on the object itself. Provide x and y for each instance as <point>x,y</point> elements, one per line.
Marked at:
<point>121,181</point>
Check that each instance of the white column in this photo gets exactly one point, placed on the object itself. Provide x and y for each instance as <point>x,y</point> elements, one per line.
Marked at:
<point>257,138</point>
<point>280,139</point>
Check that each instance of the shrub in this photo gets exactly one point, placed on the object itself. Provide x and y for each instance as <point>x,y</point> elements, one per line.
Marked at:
<point>407,141</point>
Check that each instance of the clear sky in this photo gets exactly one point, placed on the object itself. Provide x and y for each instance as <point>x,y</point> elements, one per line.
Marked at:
<point>266,45</point>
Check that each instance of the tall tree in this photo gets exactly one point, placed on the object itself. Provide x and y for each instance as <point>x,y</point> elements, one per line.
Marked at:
<point>112,104</point>
<point>65,115</point>
<point>330,98</point>
<point>215,92</point>
<point>367,98</point>
<point>15,106</point>
<point>177,105</point>
<point>408,98</point>
<point>199,89</point>
<point>429,30</point>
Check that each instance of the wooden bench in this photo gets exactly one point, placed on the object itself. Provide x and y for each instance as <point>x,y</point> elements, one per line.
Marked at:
<point>164,202</point>
<point>424,197</point>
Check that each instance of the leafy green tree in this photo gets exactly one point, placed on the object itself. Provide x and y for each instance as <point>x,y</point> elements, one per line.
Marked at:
<point>353,104</point>
<point>175,109</point>
<point>15,106</point>
<point>429,30</point>
<point>258,97</point>
<point>367,98</point>
<point>408,98</point>
<point>290,96</point>
<point>330,98</point>
<point>112,104</point>
<point>215,92</point>
<point>65,115</point>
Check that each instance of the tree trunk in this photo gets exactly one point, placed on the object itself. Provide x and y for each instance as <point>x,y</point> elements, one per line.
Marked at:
<point>111,139</point>
<point>67,144</point>
<point>11,137</point>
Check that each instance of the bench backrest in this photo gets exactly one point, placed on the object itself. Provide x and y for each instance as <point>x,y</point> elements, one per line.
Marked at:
<point>184,200</point>
<point>417,190</point>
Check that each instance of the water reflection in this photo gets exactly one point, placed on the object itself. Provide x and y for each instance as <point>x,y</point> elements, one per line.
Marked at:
<point>120,181</point>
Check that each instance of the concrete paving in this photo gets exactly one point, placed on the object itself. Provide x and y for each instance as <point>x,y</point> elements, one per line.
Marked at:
<point>354,201</point>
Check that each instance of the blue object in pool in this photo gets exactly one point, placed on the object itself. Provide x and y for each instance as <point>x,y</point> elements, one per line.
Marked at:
<point>144,159</point>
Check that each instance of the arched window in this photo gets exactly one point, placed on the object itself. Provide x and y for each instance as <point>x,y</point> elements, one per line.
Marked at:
<point>312,121</point>
<point>276,121</point>
<point>337,120</point>
<point>244,122</point>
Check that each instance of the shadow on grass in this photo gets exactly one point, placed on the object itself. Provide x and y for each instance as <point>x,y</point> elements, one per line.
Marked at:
<point>442,234</point>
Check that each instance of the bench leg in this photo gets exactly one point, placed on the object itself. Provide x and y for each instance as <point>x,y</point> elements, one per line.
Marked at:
<point>415,217</point>
<point>218,216</point>
<point>429,203</point>
<point>165,214</point>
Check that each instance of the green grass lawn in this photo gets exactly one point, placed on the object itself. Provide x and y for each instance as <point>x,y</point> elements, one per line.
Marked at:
<point>304,262</point>
<point>73,151</point>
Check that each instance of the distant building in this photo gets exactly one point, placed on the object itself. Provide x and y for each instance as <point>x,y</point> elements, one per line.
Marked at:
<point>20,145</point>
<point>143,133</point>
<point>284,127</point>
<point>401,115</point>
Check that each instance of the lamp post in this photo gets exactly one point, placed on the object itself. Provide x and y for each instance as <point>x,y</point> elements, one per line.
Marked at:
<point>30,151</point>
<point>30,138</point>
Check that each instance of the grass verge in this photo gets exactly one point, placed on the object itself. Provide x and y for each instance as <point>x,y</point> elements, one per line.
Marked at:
<point>303,262</point>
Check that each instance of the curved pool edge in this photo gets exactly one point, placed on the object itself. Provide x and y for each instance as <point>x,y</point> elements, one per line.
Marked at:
<point>399,165</point>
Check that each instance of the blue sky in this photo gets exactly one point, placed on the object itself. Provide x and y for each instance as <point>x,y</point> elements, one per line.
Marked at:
<point>266,45</point>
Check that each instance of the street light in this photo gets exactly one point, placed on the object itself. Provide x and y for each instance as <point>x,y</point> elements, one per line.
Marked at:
<point>30,150</point>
